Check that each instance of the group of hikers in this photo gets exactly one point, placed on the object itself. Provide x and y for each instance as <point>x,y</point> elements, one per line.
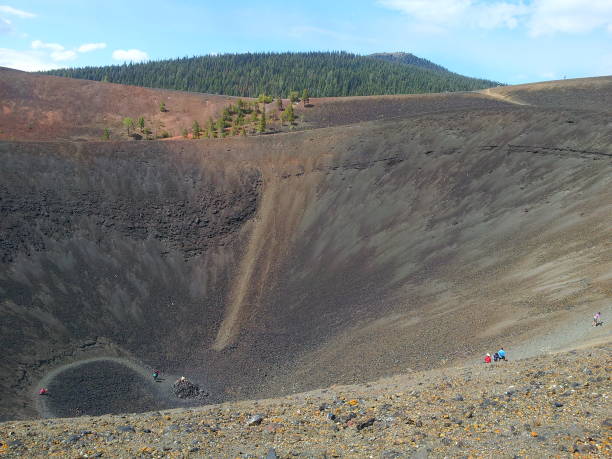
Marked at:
<point>597,319</point>
<point>156,377</point>
<point>499,355</point>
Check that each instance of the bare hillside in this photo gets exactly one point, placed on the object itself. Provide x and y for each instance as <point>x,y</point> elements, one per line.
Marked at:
<point>37,107</point>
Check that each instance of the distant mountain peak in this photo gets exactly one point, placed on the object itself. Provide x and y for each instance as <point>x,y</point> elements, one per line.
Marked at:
<point>401,57</point>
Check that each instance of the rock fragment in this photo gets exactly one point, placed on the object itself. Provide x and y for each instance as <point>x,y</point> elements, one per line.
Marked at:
<point>255,420</point>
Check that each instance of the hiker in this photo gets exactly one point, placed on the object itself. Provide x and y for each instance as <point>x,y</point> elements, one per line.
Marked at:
<point>155,375</point>
<point>496,357</point>
<point>43,391</point>
<point>596,318</point>
<point>488,358</point>
<point>502,354</point>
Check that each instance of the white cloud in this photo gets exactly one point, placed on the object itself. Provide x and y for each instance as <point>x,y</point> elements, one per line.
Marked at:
<point>498,15</point>
<point>65,55</point>
<point>37,44</point>
<point>29,61</point>
<point>87,47</point>
<point>487,15</point>
<point>430,11</point>
<point>539,17</point>
<point>15,12</point>
<point>5,26</point>
<point>134,55</point>
<point>58,52</point>
<point>569,16</point>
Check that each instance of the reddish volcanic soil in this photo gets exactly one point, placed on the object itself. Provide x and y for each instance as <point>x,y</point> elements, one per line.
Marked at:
<point>42,107</point>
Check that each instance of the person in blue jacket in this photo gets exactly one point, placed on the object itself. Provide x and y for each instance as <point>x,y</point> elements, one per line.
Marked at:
<point>502,354</point>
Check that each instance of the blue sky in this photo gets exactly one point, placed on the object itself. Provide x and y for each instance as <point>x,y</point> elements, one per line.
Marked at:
<point>511,41</point>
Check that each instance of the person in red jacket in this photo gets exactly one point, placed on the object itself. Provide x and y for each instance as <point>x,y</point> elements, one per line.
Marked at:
<point>488,358</point>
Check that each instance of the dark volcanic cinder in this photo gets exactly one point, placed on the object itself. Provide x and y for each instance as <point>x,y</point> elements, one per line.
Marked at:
<point>267,265</point>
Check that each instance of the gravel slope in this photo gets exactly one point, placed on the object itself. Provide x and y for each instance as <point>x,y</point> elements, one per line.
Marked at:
<point>549,406</point>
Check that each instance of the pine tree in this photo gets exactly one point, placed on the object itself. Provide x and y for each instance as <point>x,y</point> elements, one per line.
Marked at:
<point>196,130</point>
<point>128,123</point>
<point>305,97</point>
<point>185,133</point>
<point>162,107</point>
<point>141,123</point>
<point>106,135</point>
<point>261,126</point>
<point>288,114</point>
<point>264,99</point>
<point>220,127</point>
<point>294,96</point>
<point>212,133</point>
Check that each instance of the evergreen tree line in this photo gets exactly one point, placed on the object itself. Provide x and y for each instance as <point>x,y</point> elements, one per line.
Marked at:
<point>325,74</point>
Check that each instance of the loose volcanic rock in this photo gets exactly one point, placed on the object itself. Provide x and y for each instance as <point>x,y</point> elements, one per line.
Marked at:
<point>384,419</point>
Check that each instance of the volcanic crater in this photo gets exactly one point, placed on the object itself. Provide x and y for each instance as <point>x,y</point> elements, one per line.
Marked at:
<point>414,232</point>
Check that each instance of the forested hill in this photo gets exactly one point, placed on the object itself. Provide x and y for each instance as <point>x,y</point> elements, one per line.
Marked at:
<point>324,74</point>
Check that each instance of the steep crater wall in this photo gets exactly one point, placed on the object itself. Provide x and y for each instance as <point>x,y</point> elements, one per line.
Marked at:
<point>267,265</point>
<point>113,252</point>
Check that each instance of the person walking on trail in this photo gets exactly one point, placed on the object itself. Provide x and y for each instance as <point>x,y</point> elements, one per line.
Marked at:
<point>155,375</point>
<point>596,319</point>
<point>43,391</point>
<point>488,358</point>
<point>502,354</point>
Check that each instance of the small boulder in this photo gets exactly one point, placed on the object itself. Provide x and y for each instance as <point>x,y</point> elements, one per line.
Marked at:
<point>255,420</point>
<point>125,429</point>
<point>73,438</point>
<point>367,423</point>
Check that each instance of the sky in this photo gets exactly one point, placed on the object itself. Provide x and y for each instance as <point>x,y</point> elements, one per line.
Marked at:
<point>510,41</point>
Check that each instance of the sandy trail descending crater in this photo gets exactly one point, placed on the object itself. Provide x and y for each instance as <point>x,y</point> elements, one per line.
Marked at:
<point>262,228</point>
